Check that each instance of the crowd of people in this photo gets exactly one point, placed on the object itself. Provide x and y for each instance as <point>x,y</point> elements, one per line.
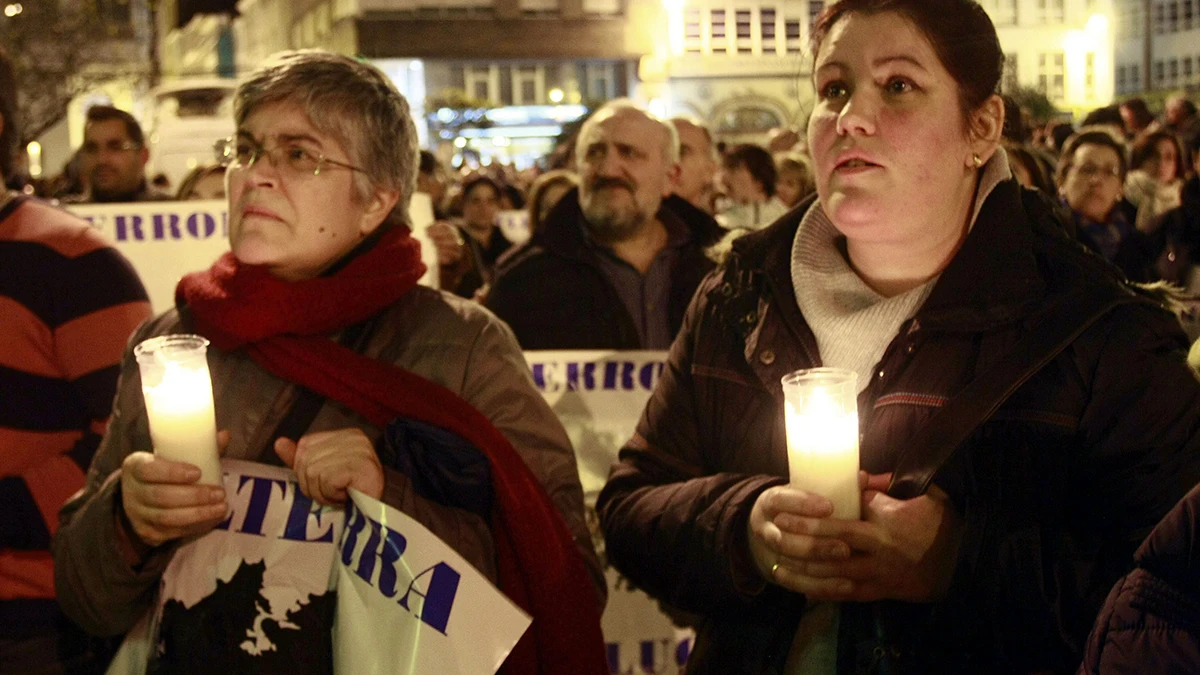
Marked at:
<point>1029,421</point>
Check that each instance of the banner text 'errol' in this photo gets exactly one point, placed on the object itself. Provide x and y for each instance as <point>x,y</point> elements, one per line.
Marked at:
<point>611,375</point>
<point>383,548</point>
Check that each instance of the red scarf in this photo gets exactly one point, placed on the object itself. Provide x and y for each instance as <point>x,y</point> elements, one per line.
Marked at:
<point>284,326</point>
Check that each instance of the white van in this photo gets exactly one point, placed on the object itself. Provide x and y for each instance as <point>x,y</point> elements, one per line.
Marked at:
<point>186,118</point>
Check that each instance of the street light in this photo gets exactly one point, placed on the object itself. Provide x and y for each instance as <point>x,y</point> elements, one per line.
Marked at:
<point>34,151</point>
<point>12,10</point>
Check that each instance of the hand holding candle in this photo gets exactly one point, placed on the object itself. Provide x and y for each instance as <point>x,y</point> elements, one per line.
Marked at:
<point>179,402</point>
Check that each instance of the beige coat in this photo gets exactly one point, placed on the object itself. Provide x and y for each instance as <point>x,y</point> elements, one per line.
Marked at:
<point>449,341</point>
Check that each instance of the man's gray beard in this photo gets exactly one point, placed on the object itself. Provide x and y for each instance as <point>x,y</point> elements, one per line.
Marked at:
<point>608,226</point>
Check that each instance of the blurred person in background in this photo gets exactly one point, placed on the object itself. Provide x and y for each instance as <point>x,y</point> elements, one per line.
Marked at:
<point>748,176</point>
<point>1027,169</point>
<point>794,178</point>
<point>1091,178</point>
<point>697,164</point>
<point>1108,116</point>
<point>1136,117</point>
<point>614,264</point>
<point>1155,179</point>
<point>483,242</point>
<point>511,196</point>
<point>206,182</point>
<point>545,193</point>
<point>1181,118</point>
<point>1178,237</point>
<point>114,158</point>
<point>548,189</point>
<point>431,179</point>
<point>1015,128</point>
<point>1056,138</point>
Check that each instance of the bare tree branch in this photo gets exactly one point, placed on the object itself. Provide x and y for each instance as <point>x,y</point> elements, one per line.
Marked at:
<point>60,49</point>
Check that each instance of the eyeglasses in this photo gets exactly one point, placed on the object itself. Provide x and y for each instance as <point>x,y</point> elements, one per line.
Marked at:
<point>92,148</point>
<point>1089,170</point>
<point>296,159</point>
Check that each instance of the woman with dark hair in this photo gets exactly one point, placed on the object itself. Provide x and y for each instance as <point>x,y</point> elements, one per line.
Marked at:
<point>1058,134</point>
<point>1154,183</point>
<point>748,175</point>
<point>1025,417</point>
<point>1177,239</point>
<point>1136,116</point>
<point>483,240</point>
<point>1090,175</point>
<point>1027,170</point>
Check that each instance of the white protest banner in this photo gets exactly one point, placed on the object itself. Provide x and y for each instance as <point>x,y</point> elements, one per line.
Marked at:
<point>599,396</point>
<point>288,586</point>
<point>166,240</point>
<point>253,594</point>
<point>514,225</point>
<point>408,603</point>
<point>162,240</point>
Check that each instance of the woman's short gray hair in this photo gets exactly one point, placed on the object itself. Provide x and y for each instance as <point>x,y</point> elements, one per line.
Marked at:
<point>354,103</point>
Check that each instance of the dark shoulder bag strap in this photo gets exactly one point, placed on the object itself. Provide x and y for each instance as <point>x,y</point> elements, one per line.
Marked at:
<point>936,442</point>
<point>304,410</point>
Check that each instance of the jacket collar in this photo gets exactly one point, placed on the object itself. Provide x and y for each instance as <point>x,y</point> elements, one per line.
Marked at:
<point>992,280</point>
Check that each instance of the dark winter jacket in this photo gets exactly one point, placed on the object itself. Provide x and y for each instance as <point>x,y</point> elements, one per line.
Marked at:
<point>1056,489</point>
<point>554,294</point>
<point>1151,622</point>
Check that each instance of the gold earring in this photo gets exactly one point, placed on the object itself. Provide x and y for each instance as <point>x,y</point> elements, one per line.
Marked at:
<point>977,160</point>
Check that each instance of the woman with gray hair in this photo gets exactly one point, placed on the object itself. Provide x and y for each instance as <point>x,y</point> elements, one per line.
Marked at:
<point>328,357</point>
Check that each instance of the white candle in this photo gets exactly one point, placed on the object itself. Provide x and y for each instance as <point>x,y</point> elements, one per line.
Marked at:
<point>179,402</point>
<point>821,417</point>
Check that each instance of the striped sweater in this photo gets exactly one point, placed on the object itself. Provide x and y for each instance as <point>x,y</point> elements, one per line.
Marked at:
<point>68,304</point>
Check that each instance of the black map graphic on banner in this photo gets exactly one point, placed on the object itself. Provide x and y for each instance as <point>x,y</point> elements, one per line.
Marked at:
<point>207,638</point>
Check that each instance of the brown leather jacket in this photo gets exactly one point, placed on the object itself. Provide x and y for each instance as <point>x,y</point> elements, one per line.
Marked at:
<point>449,341</point>
<point>1056,489</point>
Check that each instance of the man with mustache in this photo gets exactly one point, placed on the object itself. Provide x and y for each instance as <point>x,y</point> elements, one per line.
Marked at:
<point>614,265</point>
<point>114,157</point>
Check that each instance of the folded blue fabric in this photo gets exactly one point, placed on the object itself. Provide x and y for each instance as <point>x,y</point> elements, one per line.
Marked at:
<point>444,467</point>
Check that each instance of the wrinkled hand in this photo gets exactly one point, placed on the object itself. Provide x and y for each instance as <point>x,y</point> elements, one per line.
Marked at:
<point>448,242</point>
<point>902,550</point>
<point>328,463</point>
<point>162,501</point>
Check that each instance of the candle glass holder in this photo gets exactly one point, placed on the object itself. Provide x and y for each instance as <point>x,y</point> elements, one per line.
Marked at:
<point>179,402</point>
<point>821,417</point>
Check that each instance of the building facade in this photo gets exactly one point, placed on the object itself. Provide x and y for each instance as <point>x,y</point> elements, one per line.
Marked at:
<point>1157,46</point>
<point>1065,48</point>
<point>742,66</point>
